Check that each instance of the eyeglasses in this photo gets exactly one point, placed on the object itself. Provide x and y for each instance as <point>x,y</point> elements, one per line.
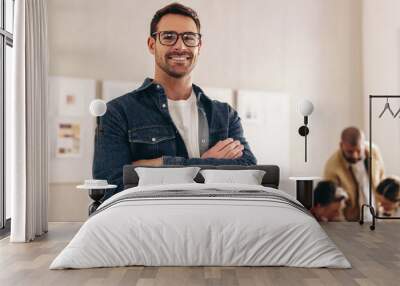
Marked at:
<point>169,38</point>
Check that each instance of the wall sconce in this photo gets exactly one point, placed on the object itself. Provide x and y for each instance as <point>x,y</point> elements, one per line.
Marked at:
<point>98,108</point>
<point>305,108</point>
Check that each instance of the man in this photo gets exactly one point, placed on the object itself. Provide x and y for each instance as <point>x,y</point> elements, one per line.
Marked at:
<point>329,202</point>
<point>349,168</point>
<point>169,120</point>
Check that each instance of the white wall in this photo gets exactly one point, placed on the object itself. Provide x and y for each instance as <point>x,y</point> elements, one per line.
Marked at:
<point>304,49</point>
<point>381,58</point>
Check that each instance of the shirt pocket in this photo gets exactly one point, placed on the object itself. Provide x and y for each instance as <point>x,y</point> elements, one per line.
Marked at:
<point>152,141</point>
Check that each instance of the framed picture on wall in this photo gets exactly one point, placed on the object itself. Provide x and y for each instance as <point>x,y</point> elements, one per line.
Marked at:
<point>71,129</point>
<point>68,139</point>
<point>265,120</point>
<point>71,104</point>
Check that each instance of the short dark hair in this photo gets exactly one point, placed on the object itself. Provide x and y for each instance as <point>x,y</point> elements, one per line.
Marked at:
<point>174,8</point>
<point>351,135</point>
<point>390,189</point>
<point>326,193</point>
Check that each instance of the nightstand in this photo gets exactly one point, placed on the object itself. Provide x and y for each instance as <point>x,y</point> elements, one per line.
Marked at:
<point>304,190</point>
<point>96,193</point>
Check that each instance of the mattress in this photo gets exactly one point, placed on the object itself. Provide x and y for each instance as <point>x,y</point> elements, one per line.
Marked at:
<point>201,225</point>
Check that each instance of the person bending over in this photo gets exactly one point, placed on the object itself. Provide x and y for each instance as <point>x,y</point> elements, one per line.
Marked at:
<point>348,167</point>
<point>388,194</point>
<point>329,202</point>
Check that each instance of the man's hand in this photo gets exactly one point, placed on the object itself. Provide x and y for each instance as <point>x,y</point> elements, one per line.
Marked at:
<point>149,162</point>
<point>225,149</point>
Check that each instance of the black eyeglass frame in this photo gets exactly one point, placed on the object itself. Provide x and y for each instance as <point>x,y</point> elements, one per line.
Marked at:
<point>178,35</point>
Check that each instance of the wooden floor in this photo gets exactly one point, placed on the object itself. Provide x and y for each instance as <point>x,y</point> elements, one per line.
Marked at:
<point>375,257</point>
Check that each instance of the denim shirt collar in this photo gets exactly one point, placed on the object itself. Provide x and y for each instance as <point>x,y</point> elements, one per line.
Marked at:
<point>149,83</point>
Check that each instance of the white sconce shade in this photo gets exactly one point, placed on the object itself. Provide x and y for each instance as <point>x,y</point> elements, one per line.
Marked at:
<point>306,107</point>
<point>98,107</point>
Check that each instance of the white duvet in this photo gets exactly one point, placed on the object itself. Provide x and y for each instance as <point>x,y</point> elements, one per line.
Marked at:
<point>183,231</point>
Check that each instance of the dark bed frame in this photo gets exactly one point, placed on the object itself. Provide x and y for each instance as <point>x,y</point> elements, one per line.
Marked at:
<point>270,179</point>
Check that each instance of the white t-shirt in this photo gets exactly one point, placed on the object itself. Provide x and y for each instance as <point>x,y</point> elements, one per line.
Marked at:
<point>184,114</point>
<point>361,175</point>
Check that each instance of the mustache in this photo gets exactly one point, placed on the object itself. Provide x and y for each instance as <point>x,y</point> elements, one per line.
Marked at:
<point>355,160</point>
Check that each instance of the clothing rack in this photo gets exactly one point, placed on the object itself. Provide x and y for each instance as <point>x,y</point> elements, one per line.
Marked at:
<point>369,205</point>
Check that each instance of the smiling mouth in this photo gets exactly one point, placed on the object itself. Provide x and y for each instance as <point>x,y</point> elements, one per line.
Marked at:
<point>179,59</point>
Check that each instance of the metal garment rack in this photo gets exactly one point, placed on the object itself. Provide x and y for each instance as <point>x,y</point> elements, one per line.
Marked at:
<point>369,205</point>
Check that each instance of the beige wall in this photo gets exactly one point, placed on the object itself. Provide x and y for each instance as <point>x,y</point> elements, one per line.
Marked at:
<point>304,48</point>
<point>381,58</point>
<point>66,203</point>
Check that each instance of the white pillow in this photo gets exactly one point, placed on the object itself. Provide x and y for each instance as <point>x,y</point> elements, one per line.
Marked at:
<point>162,176</point>
<point>248,177</point>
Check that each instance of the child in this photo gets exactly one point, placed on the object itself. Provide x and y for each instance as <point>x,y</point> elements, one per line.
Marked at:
<point>388,195</point>
<point>329,202</point>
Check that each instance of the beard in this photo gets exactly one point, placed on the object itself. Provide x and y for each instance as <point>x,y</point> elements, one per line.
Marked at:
<point>352,160</point>
<point>176,69</point>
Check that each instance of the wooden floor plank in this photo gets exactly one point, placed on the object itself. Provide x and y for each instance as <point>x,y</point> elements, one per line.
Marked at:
<point>374,255</point>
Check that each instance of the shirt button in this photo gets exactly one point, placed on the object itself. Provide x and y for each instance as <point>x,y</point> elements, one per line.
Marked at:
<point>158,86</point>
<point>153,139</point>
<point>164,105</point>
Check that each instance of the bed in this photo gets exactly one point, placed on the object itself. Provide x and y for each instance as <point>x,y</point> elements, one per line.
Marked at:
<point>199,224</point>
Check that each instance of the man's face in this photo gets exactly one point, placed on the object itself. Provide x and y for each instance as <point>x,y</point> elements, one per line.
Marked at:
<point>353,153</point>
<point>332,210</point>
<point>178,60</point>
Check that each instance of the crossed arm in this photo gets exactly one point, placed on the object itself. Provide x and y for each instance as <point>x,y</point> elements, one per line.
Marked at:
<point>232,151</point>
<point>112,150</point>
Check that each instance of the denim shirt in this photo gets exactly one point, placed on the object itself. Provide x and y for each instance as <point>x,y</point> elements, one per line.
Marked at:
<point>138,126</point>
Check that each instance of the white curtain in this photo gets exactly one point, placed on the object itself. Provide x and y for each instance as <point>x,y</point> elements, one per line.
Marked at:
<point>28,122</point>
